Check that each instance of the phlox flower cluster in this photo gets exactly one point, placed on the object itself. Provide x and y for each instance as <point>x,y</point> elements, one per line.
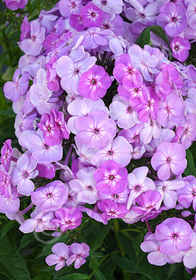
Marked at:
<point>106,123</point>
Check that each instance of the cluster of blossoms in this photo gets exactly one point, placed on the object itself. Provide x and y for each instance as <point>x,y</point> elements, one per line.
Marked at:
<point>106,122</point>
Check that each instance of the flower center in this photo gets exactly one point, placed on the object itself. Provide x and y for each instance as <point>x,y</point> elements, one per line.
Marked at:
<point>93,82</point>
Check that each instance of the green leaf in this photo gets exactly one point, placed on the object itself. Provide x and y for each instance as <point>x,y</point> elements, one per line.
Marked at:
<point>190,169</point>
<point>13,261</point>
<point>160,32</point>
<point>99,275</point>
<point>107,267</point>
<point>6,228</point>
<point>98,234</point>
<point>144,38</point>
<point>74,276</point>
<point>127,246</point>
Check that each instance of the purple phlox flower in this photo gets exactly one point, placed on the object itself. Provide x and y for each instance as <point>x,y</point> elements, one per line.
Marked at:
<point>148,205</point>
<point>150,130</point>
<point>124,70</point>
<point>23,173</point>
<point>119,150</point>
<point>180,48</point>
<point>48,19</point>
<point>113,23</point>
<point>50,197</point>
<point>163,84</point>
<point>84,185</point>
<point>46,170</point>
<point>149,108</point>
<point>85,154</point>
<point>53,41</point>
<point>94,214</point>
<point>112,210</point>
<point>38,222</point>
<point>6,154</point>
<point>111,178</point>
<point>94,83</point>
<point>168,192</point>
<point>151,246</point>
<point>186,134</point>
<point>140,14</point>
<point>189,259</point>
<point>5,184</point>
<point>174,75</point>
<point>61,254</point>
<point>94,37</point>
<point>69,7</point>
<point>67,218</point>
<point>191,18</point>
<point>33,45</point>
<point>82,107</point>
<point>96,130</point>
<point>15,4</point>
<point>187,195</point>
<point>117,44</point>
<point>132,217</point>
<point>60,123</point>
<point>70,71</point>
<point>9,204</point>
<point>145,62</point>
<point>167,135</point>
<point>138,182</point>
<point>109,6</point>
<point>122,112</point>
<point>25,122</point>
<point>50,131</point>
<point>91,15</point>
<point>174,235</point>
<point>14,90</point>
<point>132,134</point>
<point>40,96</point>
<point>138,151</point>
<point>25,28</point>
<point>120,198</point>
<point>51,75</point>
<point>36,144</point>
<point>72,200</point>
<point>172,18</point>
<point>78,253</point>
<point>31,64</point>
<point>169,159</point>
<point>171,112</point>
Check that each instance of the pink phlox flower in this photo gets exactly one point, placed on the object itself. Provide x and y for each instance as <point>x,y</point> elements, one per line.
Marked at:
<point>67,218</point>
<point>78,253</point>
<point>180,48</point>
<point>151,246</point>
<point>112,210</point>
<point>96,130</point>
<point>124,71</point>
<point>122,112</point>
<point>40,96</point>
<point>91,15</point>
<point>38,222</point>
<point>174,235</point>
<point>14,90</point>
<point>138,151</point>
<point>70,71</point>
<point>174,75</point>
<point>111,178</point>
<point>187,195</point>
<point>163,84</point>
<point>119,150</point>
<point>132,134</point>
<point>6,154</point>
<point>109,6</point>
<point>36,144</point>
<point>50,131</point>
<point>60,123</point>
<point>50,197</point>
<point>61,254</point>
<point>25,28</point>
<point>169,159</point>
<point>69,7</point>
<point>85,154</point>
<point>94,83</point>
<point>172,111</point>
<point>48,19</point>
<point>22,174</point>
<point>33,45</point>
<point>172,18</point>
<point>138,182</point>
<point>9,204</point>
<point>5,183</point>
<point>94,37</point>
<point>84,185</point>
<point>25,122</point>
<point>120,198</point>
<point>72,200</point>
<point>46,170</point>
<point>148,205</point>
<point>15,4</point>
<point>168,191</point>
